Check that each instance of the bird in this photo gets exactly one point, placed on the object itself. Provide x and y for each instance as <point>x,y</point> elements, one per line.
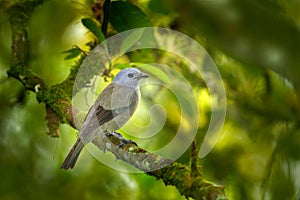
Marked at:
<point>112,109</point>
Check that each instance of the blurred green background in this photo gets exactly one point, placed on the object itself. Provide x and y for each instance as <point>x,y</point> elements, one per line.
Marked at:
<point>255,45</point>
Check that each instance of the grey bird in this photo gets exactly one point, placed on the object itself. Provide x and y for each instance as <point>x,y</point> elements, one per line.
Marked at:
<point>112,109</point>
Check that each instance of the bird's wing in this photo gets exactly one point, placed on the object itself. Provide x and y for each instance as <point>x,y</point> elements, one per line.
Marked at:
<point>113,101</point>
<point>115,96</point>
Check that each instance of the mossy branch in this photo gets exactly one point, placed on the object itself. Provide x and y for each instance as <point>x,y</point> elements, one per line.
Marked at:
<point>170,172</point>
<point>57,99</point>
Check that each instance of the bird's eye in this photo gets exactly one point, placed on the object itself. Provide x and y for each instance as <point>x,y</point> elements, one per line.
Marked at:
<point>130,75</point>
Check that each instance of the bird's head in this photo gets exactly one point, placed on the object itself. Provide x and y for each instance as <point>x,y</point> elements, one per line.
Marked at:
<point>129,77</point>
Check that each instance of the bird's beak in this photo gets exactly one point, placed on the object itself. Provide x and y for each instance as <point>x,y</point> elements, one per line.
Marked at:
<point>143,75</point>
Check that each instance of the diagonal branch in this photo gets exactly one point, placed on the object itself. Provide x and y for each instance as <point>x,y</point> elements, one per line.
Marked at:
<point>170,172</point>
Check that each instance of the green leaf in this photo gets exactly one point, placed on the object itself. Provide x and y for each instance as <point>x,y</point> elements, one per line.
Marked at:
<point>154,71</point>
<point>93,27</point>
<point>131,40</point>
<point>121,66</point>
<point>72,53</point>
<point>125,16</point>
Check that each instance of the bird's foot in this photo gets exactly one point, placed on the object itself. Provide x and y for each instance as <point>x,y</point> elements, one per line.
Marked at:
<point>123,140</point>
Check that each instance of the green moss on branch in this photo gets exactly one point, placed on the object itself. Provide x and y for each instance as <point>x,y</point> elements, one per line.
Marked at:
<point>169,171</point>
<point>26,77</point>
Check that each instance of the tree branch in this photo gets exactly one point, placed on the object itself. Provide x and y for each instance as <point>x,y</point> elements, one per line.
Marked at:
<point>170,172</point>
<point>57,97</point>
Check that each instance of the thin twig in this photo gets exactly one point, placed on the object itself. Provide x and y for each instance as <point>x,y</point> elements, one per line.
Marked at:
<point>106,9</point>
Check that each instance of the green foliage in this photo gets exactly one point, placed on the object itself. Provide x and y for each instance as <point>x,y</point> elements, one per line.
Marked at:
<point>131,40</point>
<point>126,16</point>
<point>160,7</point>
<point>73,53</point>
<point>153,71</point>
<point>93,27</point>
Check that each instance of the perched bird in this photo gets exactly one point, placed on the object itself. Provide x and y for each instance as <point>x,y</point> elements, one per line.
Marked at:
<point>112,109</point>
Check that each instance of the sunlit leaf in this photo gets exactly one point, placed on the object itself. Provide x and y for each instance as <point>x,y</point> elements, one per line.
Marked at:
<point>153,70</point>
<point>121,65</point>
<point>73,53</point>
<point>131,40</point>
<point>93,27</point>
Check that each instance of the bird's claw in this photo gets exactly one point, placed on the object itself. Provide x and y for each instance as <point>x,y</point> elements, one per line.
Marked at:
<point>123,140</point>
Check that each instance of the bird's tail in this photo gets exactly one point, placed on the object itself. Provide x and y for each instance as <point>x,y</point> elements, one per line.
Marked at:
<point>72,156</point>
